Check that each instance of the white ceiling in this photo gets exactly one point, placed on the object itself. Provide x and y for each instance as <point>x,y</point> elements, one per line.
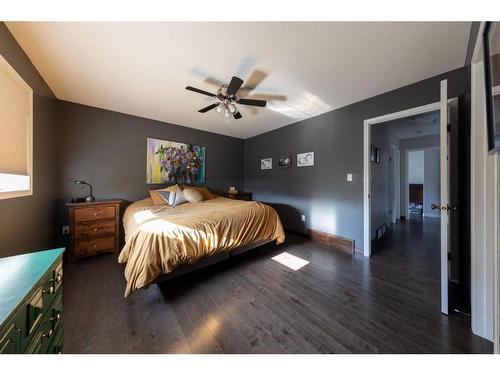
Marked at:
<point>142,68</point>
<point>415,126</point>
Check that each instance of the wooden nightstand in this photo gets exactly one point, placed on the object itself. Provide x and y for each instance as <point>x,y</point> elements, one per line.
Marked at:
<point>241,195</point>
<point>94,228</point>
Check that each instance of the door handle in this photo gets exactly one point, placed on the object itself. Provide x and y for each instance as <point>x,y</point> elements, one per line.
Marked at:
<point>438,207</point>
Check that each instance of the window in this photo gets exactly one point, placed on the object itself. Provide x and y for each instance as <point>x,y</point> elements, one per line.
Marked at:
<point>16,134</point>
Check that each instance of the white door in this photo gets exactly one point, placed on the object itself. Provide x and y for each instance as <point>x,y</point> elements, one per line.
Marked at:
<point>444,195</point>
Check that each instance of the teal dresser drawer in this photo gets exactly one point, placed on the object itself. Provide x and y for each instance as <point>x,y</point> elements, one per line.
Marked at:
<point>31,310</point>
<point>11,339</point>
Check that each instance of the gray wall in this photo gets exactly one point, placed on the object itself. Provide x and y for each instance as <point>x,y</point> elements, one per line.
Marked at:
<point>404,146</point>
<point>380,180</point>
<point>432,184</point>
<point>321,192</point>
<point>108,150</point>
<point>26,223</point>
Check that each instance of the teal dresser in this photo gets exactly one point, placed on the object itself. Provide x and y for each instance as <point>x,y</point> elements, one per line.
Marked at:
<point>31,303</point>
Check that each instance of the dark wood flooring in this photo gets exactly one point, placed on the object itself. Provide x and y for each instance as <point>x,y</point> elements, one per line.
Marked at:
<point>252,304</point>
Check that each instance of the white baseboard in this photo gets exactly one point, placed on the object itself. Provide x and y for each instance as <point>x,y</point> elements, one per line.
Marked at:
<point>432,215</point>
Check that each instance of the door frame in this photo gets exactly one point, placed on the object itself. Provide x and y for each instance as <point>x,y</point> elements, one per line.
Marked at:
<point>367,124</point>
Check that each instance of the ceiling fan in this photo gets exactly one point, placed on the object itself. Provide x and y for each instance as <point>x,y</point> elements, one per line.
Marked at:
<point>227,99</point>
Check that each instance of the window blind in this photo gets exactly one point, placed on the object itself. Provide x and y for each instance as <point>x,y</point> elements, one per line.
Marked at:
<point>14,110</point>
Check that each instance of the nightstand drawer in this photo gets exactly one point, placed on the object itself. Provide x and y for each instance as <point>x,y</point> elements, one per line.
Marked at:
<point>94,213</point>
<point>94,246</point>
<point>95,228</point>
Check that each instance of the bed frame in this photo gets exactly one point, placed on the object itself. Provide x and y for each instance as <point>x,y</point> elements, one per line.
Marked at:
<point>209,260</point>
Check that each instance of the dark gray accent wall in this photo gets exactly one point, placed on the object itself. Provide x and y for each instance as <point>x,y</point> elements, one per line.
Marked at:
<point>322,193</point>
<point>380,179</point>
<point>27,223</point>
<point>108,150</point>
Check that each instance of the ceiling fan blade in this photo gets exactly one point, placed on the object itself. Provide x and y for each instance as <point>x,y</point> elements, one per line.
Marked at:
<point>255,79</point>
<point>190,88</point>
<point>267,97</point>
<point>237,115</point>
<point>234,86</point>
<point>254,102</point>
<point>210,107</point>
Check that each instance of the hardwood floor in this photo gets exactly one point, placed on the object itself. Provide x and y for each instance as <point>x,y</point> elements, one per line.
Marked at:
<point>253,304</point>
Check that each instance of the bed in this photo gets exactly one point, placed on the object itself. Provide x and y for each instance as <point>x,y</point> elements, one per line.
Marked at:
<point>162,240</point>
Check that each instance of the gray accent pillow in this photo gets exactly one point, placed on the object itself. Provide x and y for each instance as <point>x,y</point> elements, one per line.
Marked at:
<point>173,198</point>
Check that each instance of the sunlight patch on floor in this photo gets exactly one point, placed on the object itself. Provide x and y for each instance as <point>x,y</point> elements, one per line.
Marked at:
<point>291,261</point>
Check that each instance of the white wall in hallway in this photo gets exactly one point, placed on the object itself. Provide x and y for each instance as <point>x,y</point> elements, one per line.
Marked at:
<point>432,182</point>
<point>416,167</point>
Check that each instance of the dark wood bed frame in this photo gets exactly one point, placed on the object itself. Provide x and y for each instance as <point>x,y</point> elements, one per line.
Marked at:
<point>209,260</point>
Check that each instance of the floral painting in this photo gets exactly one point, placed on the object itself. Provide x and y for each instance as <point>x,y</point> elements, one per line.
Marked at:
<point>174,162</point>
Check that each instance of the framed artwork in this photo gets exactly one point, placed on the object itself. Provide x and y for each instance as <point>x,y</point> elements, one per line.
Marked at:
<point>285,161</point>
<point>266,163</point>
<point>491,50</point>
<point>305,159</point>
<point>174,162</point>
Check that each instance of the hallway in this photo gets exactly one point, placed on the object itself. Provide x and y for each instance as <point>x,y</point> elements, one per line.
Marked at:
<point>414,244</point>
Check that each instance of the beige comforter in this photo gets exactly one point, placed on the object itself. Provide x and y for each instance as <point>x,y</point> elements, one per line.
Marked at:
<point>159,238</point>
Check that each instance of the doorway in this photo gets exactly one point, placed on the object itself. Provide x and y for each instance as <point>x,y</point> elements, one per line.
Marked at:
<point>452,257</point>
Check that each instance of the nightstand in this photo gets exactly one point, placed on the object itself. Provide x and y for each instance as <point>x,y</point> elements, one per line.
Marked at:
<point>94,228</point>
<point>241,195</point>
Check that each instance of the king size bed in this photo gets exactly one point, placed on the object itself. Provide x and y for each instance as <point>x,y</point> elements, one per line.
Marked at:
<point>162,241</point>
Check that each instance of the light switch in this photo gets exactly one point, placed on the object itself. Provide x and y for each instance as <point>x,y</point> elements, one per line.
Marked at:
<point>349,177</point>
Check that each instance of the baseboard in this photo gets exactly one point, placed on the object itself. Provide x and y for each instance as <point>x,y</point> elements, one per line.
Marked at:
<point>345,245</point>
<point>432,215</point>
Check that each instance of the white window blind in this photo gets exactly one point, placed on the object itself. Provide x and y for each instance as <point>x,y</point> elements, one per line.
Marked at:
<point>15,133</point>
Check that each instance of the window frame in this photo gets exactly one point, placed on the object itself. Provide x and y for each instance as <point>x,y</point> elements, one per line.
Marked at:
<point>19,81</point>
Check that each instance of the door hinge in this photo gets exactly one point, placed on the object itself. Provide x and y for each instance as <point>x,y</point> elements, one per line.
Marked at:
<point>449,256</point>
<point>448,128</point>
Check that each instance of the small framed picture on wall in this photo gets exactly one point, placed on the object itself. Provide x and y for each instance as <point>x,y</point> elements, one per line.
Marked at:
<point>305,159</point>
<point>285,161</point>
<point>266,163</point>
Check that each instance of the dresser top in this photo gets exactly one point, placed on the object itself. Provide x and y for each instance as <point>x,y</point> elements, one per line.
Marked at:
<point>94,203</point>
<point>18,275</point>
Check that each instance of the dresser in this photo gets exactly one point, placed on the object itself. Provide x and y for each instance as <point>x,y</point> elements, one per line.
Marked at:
<point>31,303</point>
<point>241,195</point>
<point>94,228</point>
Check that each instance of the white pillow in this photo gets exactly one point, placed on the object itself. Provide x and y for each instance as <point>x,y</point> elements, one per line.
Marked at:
<point>192,195</point>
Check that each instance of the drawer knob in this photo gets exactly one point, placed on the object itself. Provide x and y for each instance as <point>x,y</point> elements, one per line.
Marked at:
<point>56,318</point>
<point>59,278</point>
<point>48,334</point>
<point>96,229</point>
<point>94,246</point>
<point>96,213</point>
<point>49,291</point>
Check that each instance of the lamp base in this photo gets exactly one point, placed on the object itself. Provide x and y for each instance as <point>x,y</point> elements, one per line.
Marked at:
<point>89,199</point>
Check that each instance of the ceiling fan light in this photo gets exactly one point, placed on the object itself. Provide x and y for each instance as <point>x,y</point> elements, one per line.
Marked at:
<point>220,109</point>
<point>232,108</point>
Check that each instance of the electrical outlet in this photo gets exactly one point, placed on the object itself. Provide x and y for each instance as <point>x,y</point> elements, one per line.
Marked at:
<point>65,229</point>
<point>303,217</point>
<point>349,177</point>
